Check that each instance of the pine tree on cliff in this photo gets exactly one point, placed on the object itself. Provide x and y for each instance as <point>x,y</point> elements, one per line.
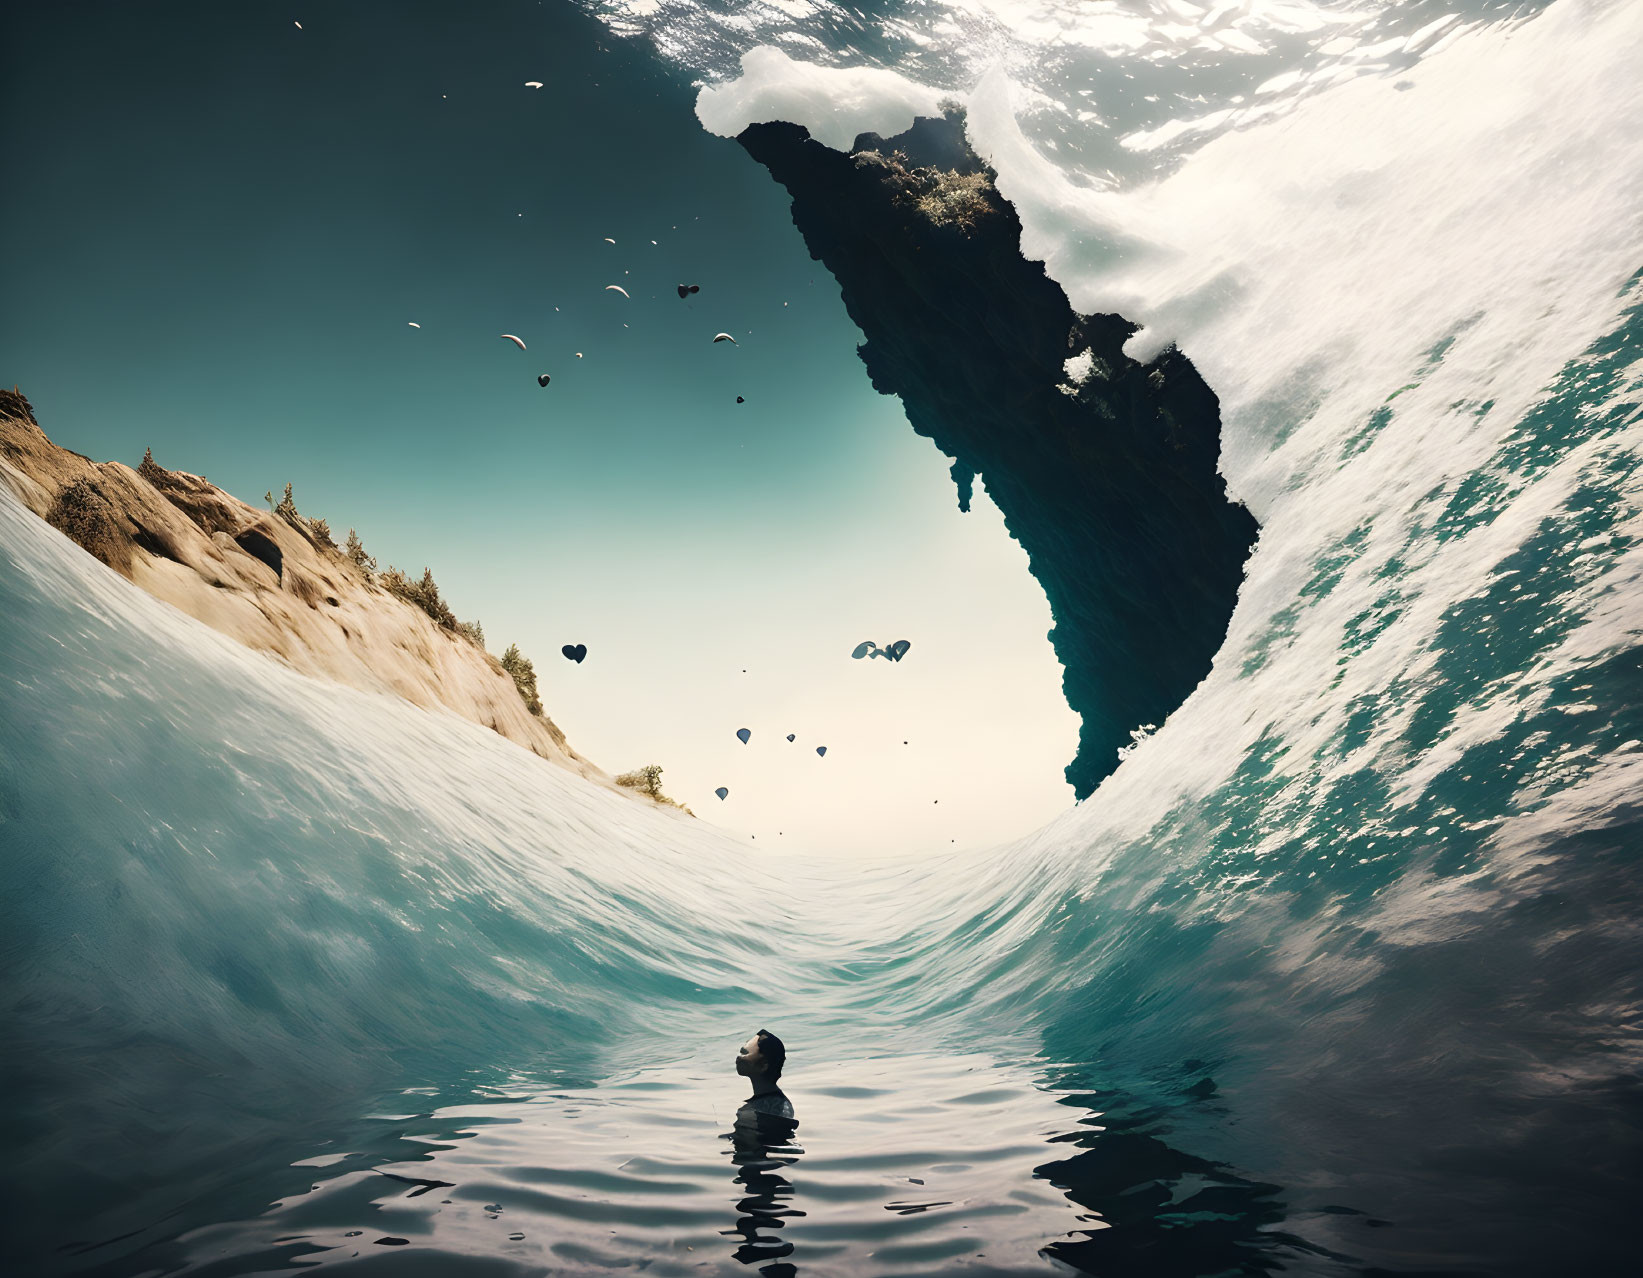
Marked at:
<point>524,677</point>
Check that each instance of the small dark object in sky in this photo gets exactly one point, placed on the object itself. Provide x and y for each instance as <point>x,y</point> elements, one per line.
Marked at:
<point>740,400</point>
<point>867,648</point>
<point>722,792</point>
<point>392,1242</point>
<point>789,736</point>
<point>685,290</point>
<point>742,734</point>
<point>542,379</point>
<point>575,651</point>
<point>821,749</point>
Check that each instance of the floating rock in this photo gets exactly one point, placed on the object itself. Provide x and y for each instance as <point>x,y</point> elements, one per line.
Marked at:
<point>742,734</point>
<point>723,792</point>
<point>822,750</point>
<point>542,379</point>
<point>575,651</point>
<point>789,736</point>
<point>898,650</point>
<point>740,400</point>
<point>685,290</point>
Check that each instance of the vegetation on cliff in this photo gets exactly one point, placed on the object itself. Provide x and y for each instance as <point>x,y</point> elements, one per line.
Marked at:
<point>648,781</point>
<point>945,197</point>
<point>524,677</point>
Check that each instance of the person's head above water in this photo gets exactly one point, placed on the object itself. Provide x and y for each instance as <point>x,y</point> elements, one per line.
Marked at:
<point>761,1059</point>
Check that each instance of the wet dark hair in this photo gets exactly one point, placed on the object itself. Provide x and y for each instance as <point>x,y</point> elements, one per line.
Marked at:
<point>774,1052</point>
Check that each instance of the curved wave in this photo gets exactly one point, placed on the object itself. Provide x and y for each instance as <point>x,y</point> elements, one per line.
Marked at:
<point>1337,973</point>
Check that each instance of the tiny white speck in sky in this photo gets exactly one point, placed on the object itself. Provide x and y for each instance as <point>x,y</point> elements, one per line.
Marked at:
<point>413,324</point>
<point>533,84</point>
<point>298,25</point>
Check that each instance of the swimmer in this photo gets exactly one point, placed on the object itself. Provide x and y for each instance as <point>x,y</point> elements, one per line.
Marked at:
<point>761,1060</point>
<point>763,1147</point>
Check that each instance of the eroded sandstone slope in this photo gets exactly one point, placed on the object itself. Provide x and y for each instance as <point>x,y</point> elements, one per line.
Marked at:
<point>266,581</point>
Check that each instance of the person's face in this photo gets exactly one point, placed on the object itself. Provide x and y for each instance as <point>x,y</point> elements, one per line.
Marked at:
<point>748,1061</point>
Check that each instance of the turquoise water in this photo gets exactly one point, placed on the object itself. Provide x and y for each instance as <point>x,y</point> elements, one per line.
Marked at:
<point>1336,974</point>
<point>279,955</point>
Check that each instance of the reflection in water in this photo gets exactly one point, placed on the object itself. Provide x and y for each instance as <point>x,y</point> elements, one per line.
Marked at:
<point>1154,1209</point>
<point>762,1143</point>
<point>933,1163</point>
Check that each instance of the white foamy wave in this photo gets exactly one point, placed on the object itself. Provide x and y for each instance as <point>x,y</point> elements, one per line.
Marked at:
<point>1113,90</point>
<point>834,104</point>
<point>1381,282</point>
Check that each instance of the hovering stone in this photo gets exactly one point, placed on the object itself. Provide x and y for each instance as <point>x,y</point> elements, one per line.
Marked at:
<point>542,379</point>
<point>575,651</point>
<point>723,792</point>
<point>740,400</point>
<point>685,290</point>
<point>822,750</point>
<point>898,650</point>
<point>742,734</point>
<point>789,736</point>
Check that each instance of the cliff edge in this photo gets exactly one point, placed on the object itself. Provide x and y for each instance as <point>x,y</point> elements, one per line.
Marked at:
<point>269,582</point>
<point>1105,469</point>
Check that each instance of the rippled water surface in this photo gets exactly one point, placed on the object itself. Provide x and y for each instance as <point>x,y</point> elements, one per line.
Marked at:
<point>903,1161</point>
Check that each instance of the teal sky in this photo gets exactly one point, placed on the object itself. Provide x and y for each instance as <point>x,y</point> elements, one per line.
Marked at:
<point>217,231</point>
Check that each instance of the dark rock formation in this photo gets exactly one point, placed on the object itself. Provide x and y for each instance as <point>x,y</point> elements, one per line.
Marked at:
<point>1110,486</point>
<point>259,546</point>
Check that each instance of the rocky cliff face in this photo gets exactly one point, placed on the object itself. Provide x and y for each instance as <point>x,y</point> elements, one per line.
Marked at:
<point>1109,482</point>
<point>266,581</point>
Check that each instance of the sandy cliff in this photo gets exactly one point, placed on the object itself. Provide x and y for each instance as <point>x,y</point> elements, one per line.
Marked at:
<point>265,581</point>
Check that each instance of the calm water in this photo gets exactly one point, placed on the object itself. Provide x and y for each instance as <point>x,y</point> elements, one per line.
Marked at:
<point>901,1162</point>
